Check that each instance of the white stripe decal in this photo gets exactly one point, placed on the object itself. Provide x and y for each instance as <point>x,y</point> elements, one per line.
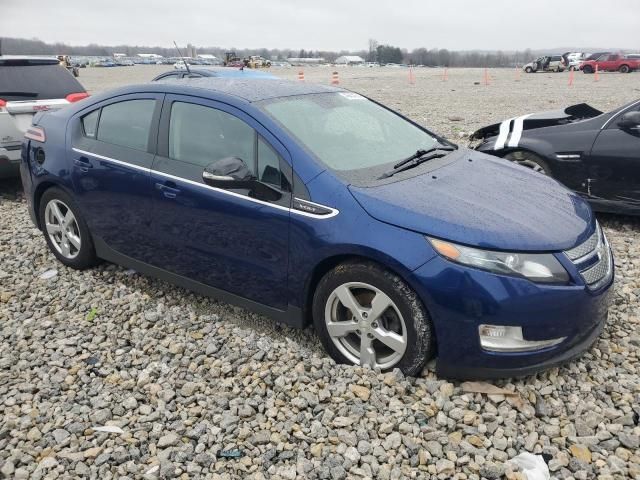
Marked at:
<point>518,126</point>
<point>504,133</point>
<point>333,213</point>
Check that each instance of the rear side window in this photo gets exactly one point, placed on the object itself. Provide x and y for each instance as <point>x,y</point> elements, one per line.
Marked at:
<point>127,123</point>
<point>201,135</point>
<point>36,82</point>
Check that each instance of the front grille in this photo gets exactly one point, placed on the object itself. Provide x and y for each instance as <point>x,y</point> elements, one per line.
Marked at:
<point>593,259</point>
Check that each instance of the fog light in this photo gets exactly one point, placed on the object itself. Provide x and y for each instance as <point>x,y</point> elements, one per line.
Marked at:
<point>504,338</point>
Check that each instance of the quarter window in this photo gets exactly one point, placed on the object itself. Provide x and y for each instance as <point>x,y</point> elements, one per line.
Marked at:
<point>90,123</point>
<point>127,123</point>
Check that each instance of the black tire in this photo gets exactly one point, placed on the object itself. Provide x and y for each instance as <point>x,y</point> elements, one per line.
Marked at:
<point>587,69</point>
<point>528,70</point>
<point>530,160</point>
<point>86,255</point>
<point>624,69</point>
<point>420,343</point>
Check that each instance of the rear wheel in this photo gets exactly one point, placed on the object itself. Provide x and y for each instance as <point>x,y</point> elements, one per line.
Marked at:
<point>528,160</point>
<point>65,231</point>
<point>624,69</point>
<point>366,315</point>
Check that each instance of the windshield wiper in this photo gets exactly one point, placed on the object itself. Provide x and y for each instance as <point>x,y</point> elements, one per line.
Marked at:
<point>417,158</point>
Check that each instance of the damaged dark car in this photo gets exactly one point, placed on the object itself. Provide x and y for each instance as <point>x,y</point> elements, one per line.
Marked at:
<point>596,154</point>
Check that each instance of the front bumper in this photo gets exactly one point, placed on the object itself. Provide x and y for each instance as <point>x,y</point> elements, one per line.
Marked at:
<point>460,299</point>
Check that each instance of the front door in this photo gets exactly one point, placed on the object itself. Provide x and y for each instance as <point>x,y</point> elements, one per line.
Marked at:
<point>614,165</point>
<point>226,239</point>
<point>112,151</point>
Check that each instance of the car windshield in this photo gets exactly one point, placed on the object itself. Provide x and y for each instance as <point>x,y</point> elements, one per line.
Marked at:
<point>348,132</point>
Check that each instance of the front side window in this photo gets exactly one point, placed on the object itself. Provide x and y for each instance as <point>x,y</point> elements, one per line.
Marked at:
<point>127,123</point>
<point>201,135</point>
<point>347,132</point>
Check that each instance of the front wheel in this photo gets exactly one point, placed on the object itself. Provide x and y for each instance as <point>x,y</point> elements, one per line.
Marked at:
<point>528,70</point>
<point>587,69</point>
<point>528,160</point>
<point>366,315</point>
<point>65,231</point>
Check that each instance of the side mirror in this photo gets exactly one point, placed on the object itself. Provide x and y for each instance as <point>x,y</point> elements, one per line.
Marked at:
<point>229,172</point>
<point>629,120</point>
<point>232,173</point>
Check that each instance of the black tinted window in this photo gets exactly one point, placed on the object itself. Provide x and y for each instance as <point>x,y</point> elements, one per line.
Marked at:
<point>268,164</point>
<point>127,123</point>
<point>90,123</point>
<point>201,135</point>
<point>36,82</point>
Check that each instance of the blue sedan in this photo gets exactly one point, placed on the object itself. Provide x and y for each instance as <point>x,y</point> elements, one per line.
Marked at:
<point>312,204</point>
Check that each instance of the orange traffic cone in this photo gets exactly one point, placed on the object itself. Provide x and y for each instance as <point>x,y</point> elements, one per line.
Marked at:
<point>518,73</point>
<point>596,78</point>
<point>301,76</point>
<point>412,78</point>
<point>486,76</point>
<point>445,75</point>
<point>334,79</point>
<point>571,73</point>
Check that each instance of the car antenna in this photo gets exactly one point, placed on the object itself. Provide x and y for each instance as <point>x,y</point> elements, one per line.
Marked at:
<point>186,65</point>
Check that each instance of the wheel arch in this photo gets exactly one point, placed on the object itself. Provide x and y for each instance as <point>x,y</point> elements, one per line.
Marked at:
<point>39,192</point>
<point>329,263</point>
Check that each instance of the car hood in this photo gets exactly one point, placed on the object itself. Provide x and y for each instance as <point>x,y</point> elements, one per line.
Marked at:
<point>574,113</point>
<point>486,202</point>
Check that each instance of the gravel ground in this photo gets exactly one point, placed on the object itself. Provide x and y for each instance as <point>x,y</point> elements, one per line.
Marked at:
<point>184,380</point>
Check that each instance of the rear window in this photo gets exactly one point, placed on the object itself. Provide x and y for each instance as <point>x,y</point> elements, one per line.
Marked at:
<point>36,82</point>
<point>126,123</point>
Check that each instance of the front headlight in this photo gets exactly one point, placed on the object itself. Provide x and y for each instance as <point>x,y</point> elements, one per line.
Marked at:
<point>537,267</point>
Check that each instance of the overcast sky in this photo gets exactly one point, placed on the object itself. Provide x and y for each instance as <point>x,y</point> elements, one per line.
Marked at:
<point>329,24</point>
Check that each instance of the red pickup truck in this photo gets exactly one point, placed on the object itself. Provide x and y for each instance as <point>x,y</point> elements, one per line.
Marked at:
<point>611,62</point>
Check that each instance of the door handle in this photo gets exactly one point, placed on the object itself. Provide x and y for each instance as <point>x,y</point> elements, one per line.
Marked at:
<point>83,164</point>
<point>168,189</point>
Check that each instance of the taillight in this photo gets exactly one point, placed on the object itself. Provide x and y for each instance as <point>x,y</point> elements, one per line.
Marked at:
<point>75,97</point>
<point>3,103</point>
<point>35,133</point>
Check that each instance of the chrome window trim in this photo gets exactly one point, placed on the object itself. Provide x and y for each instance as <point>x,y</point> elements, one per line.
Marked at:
<point>618,114</point>
<point>333,213</point>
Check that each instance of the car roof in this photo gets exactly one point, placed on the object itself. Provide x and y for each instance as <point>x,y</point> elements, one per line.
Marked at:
<point>21,60</point>
<point>252,89</point>
<point>212,71</point>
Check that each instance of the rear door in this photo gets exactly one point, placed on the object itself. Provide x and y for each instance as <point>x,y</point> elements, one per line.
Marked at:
<point>111,147</point>
<point>227,239</point>
<point>614,164</point>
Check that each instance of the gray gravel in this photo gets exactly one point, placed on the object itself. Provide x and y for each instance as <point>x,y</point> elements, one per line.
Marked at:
<point>191,382</point>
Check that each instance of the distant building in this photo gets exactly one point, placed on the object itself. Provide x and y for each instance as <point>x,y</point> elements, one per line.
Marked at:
<point>305,61</point>
<point>119,55</point>
<point>349,60</point>
<point>149,55</point>
<point>207,56</point>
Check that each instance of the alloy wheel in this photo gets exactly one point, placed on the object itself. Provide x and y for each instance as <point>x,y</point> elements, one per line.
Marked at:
<point>62,229</point>
<point>366,325</point>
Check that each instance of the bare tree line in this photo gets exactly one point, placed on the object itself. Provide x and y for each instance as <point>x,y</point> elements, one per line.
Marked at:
<point>375,53</point>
